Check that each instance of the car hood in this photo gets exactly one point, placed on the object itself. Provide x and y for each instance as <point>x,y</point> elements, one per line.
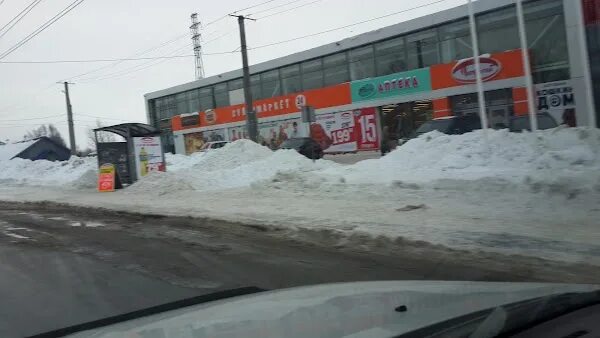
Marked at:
<point>363,309</point>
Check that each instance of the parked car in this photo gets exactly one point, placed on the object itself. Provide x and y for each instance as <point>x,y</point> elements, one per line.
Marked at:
<point>305,146</point>
<point>453,125</point>
<point>213,145</point>
<point>519,123</point>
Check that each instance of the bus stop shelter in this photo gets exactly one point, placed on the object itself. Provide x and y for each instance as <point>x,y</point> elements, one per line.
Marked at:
<point>140,153</point>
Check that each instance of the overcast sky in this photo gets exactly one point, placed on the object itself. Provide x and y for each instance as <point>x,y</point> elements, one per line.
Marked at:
<point>123,28</point>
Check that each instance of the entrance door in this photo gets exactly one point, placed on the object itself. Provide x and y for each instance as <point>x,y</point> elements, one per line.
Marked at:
<point>498,117</point>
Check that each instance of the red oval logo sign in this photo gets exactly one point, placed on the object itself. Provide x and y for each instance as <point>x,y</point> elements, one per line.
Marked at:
<point>210,115</point>
<point>464,71</point>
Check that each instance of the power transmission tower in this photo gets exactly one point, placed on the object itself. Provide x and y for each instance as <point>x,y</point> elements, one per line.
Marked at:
<point>251,119</point>
<point>70,119</point>
<point>197,47</point>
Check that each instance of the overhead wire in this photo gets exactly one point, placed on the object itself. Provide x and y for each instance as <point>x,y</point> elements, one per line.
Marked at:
<point>253,6</point>
<point>100,117</point>
<point>274,7</point>
<point>32,118</point>
<point>136,67</point>
<point>177,38</point>
<point>345,26</point>
<point>43,27</point>
<point>19,17</point>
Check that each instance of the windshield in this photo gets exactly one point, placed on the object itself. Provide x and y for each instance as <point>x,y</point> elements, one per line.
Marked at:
<point>156,151</point>
<point>439,125</point>
<point>522,123</point>
<point>293,143</point>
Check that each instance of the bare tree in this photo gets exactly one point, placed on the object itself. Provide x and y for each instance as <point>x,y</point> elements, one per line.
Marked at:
<point>102,136</point>
<point>49,131</point>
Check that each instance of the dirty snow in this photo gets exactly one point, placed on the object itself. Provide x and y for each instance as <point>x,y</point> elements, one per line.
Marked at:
<point>531,194</point>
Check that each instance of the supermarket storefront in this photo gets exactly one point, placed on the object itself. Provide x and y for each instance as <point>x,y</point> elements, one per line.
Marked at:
<point>356,116</point>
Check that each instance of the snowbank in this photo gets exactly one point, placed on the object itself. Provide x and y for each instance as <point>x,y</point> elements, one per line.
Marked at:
<point>556,160</point>
<point>239,164</point>
<point>569,156</point>
<point>46,173</point>
<point>388,197</point>
<point>8,151</point>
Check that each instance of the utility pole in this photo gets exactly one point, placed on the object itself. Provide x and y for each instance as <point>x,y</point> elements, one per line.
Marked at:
<point>70,119</point>
<point>251,119</point>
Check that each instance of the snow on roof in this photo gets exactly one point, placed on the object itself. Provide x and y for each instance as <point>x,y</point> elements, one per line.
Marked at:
<point>8,151</point>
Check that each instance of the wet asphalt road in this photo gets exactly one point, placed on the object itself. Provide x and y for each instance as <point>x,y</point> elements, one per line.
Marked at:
<point>60,266</point>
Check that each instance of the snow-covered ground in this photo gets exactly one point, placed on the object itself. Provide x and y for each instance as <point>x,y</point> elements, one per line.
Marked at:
<point>531,194</point>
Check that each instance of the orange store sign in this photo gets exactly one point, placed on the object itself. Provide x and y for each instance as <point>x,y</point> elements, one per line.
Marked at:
<point>496,66</point>
<point>332,96</point>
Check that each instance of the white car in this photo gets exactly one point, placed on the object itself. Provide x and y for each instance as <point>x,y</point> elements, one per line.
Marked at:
<point>213,145</point>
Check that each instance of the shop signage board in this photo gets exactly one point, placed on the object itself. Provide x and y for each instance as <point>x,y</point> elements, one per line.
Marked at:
<point>346,131</point>
<point>332,96</point>
<point>404,83</point>
<point>464,71</point>
<point>106,178</point>
<point>496,66</point>
<point>148,155</point>
<point>554,98</point>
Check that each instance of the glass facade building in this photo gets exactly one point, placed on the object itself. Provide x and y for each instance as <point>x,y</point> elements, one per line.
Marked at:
<point>437,44</point>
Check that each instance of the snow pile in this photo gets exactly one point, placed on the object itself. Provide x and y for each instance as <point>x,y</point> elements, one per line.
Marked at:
<point>8,151</point>
<point>26,172</point>
<point>568,156</point>
<point>565,160</point>
<point>239,164</point>
<point>233,155</point>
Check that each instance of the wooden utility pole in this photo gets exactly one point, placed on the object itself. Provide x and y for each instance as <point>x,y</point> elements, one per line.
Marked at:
<point>251,118</point>
<point>70,120</point>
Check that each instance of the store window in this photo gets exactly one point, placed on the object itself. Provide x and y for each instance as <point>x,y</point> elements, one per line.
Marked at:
<point>194,100</point>
<point>335,69</point>
<point>422,49</point>
<point>312,74</point>
<point>235,84</point>
<point>255,88</point>
<point>221,95</point>
<point>455,41</point>
<point>270,83</point>
<point>206,98</point>
<point>390,56</point>
<point>167,107</point>
<point>362,62</point>
<point>498,31</point>
<point>290,79</point>
<point>547,40</point>
<point>181,100</point>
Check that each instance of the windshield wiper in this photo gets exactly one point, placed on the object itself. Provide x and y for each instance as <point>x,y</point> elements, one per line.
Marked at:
<point>149,311</point>
<point>515,317</point>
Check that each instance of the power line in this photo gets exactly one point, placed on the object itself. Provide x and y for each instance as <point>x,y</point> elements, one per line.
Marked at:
<point>289,9</point>
<point>24,12</point>
<point>259,4</point>
<point>110,60</point>
<point>43,27</point>
<point>346,26</point>
<point>134,68</point>
<point>102,117</point>
<point>179,37</point>
<point>33,118</point>
<point>274,7</point>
